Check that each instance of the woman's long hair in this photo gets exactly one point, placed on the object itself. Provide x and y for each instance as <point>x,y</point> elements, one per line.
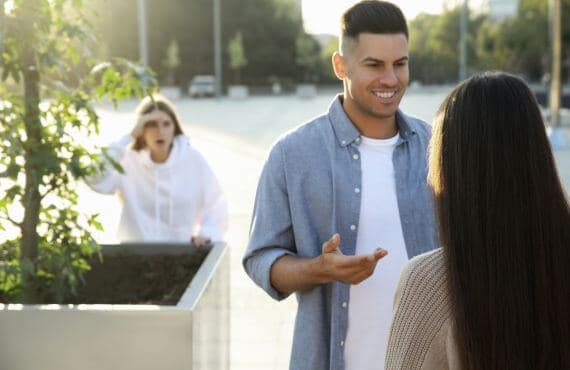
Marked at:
<point>150,104</point>
<point>504,224</point>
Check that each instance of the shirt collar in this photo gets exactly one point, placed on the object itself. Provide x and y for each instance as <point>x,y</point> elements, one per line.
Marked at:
<point>346,132</point>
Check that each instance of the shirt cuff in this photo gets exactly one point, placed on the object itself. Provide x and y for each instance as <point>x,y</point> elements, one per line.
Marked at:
<point>259,266</point>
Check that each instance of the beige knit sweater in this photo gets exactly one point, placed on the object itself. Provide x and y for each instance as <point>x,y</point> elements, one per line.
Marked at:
<point>421,335</point>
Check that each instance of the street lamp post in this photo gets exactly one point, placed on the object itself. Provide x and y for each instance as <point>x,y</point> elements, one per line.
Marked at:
<point>556,135</point>
<point>143,39</point>
<point>463,41</point>
<point>1,29</point>
<point>218,47</point>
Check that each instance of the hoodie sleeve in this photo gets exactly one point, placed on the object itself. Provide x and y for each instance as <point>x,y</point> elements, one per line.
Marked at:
<point>214,211</point>
<point>107,181</point>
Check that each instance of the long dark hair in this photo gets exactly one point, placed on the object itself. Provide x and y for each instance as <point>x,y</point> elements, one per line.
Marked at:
<point>150,104</point>
<point>504,224</point>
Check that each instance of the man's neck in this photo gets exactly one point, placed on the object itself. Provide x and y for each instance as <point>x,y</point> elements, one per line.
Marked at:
<point>371,126</point>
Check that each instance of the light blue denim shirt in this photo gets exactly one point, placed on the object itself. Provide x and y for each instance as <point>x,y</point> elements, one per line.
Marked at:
<point>307,192</point>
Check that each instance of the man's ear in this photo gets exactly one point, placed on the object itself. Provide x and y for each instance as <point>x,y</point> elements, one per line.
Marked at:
<point>338,63</point>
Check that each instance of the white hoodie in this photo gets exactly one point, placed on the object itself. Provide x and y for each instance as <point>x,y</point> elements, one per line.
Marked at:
<point>165,202</point>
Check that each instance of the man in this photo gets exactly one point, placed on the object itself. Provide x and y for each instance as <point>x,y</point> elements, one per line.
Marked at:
<point>336,189</point>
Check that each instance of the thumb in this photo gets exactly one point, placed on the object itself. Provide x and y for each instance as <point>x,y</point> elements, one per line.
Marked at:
<point>332,244</point>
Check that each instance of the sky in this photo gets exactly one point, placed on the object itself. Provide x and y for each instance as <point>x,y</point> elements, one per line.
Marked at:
<point>322,16</point>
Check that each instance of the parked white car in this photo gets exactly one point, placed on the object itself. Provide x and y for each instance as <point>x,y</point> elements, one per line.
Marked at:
<point>202,85</point>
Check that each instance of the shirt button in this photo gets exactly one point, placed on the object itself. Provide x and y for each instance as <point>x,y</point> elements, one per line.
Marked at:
<point>357,190</point>
<point>343,142</point>
<point>342,343</point>
<point>355,156</point>
<point>344,304</point>
<point>352,227</point>
<point>357,140</point>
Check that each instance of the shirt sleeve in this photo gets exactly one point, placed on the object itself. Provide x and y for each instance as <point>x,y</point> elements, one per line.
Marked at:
<point>271,232</point>
<point>107,181</point>
<point>214,212</point>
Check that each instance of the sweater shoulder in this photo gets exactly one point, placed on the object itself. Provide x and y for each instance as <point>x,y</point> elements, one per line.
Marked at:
<point>422,311</point>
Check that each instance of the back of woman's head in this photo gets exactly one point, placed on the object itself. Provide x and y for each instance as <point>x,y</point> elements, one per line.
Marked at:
<point>504,225</point>
<point>153,103</point>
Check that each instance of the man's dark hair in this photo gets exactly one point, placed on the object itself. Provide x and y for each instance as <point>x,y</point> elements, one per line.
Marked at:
<point>373,16</point>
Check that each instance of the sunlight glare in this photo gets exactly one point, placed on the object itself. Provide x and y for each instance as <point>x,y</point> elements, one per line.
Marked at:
<point>319,18</point>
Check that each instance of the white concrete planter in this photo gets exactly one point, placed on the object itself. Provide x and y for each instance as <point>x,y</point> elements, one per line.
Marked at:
<point>194,334</point>
<point>238,92</point>
<point>306,90</point>
<point>171,92</point>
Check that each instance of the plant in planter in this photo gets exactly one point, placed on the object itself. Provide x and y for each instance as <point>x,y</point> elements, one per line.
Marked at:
<point>238,61</point>
<point>171,62</point>
<point>46,121</point>
<point>46,248</point>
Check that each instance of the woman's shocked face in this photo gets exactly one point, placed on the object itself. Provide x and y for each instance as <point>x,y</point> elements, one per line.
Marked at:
<point>158,133</point>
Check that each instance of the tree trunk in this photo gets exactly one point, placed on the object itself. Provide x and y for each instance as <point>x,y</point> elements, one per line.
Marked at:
<point>32,198</point>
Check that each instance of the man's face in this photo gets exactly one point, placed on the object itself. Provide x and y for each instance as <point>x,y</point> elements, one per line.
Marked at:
<point>375,72</point>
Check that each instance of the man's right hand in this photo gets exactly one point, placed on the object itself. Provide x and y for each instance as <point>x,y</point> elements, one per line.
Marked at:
<point>291,273</point>
<point>334,265</point>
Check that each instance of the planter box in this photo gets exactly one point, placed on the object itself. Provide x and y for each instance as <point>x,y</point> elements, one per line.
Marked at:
<point>238,92</point>
<point>306,90</point>
<point>194,334</point>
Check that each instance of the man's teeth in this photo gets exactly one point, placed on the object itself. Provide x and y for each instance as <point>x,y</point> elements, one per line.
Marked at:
<point>385,95</point>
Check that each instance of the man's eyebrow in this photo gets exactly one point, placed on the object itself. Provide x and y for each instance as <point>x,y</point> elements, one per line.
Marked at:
<point>376,60</point>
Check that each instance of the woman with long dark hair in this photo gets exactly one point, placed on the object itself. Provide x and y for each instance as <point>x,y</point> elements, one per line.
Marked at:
<point>496,296</point>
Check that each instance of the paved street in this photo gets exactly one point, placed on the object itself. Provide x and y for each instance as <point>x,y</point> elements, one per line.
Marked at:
<point>235,136</point>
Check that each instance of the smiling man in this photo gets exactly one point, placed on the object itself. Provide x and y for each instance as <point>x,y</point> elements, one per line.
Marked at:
<point>342,202</point>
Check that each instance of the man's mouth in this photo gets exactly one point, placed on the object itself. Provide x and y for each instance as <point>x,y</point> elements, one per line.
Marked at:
<point>160,142</point>
<point>385,94</point>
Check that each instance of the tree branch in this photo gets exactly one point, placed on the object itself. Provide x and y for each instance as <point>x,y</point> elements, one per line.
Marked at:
<point>12,221</point>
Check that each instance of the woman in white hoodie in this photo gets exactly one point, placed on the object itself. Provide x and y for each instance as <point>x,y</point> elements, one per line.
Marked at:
<point>169,192</point>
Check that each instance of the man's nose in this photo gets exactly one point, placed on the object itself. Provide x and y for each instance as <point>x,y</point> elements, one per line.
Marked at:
<point>388,77</point>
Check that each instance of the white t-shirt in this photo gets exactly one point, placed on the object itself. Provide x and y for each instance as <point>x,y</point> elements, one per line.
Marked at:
<point>370,304</point>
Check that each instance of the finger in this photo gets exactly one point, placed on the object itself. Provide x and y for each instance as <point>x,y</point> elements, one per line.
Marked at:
<point>332,244</point>
<point>355,262</point>
<point>379,254</point>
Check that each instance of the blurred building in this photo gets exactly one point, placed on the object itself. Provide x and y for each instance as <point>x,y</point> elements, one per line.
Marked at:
<point>501,9</point>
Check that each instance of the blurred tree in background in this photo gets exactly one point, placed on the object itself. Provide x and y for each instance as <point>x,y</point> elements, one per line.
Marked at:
<point>269,29</point>
<point>308,59</point>
<point>272,31</point>
<point>518,44</point>
<point>46,119</point>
